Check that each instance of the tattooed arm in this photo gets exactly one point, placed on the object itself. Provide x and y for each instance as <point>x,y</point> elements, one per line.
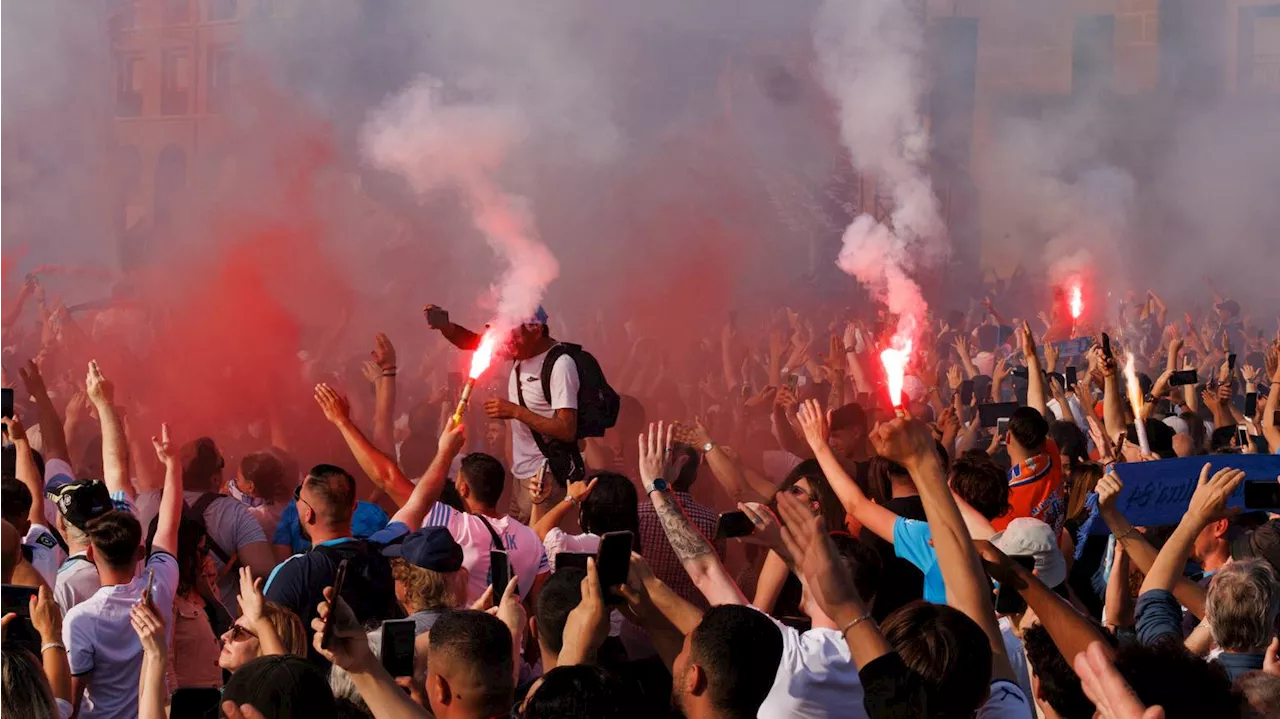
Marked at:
<point>694,551</point>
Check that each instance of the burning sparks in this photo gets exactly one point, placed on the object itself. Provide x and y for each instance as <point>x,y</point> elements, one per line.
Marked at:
<point>1135,401</point>
<point>1077,301</point>
<point>483,355</point>
<point>895,361</point>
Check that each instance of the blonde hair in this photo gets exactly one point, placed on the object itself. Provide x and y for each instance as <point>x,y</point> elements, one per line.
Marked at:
<point>1242,605</point>
<point>288,627</point>
<point>425,589</point>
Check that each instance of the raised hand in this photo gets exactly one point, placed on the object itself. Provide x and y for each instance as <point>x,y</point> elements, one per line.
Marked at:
<point>166,450</point>
<point>98,387</point>
<point>1050,357</point>
<point>815,423</point>
<point>1249,373</point>
<point>32,379</point>
<point>954,377</point>
<point>335,407</point>
<point>250,598</point>
<point>383,353</point>
<point>14,429</point>
<point>813,554</point>
<point>1106,688</point>
<point>655,453</point>
<point>768,531</point>
<point>348,646</point>
<point>907,442</point>
<point>578,491</point>
<point>511,610</point>
<point>453,439</point>
<point>1108,489</point>
<point>149,626</point>
<point>587,625</point>
<point>46,617</point>
<point>1209,501</point>
<point>371,371</point>
<point>1000,371</point>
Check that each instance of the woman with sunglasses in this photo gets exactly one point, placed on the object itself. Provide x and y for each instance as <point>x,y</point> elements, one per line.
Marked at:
<point>778,590</point>
<point>263,628</point>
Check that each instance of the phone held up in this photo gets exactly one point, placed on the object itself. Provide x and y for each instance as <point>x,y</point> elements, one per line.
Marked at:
<point>499,573</point>
<point>613,563</point>
<point>1008,601</point>
<point>734,524</point>
<point>339,578</point>
<point>397,647</point>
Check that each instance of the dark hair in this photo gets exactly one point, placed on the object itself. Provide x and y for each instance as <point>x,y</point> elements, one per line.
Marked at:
<point>1166,674</point>
<point>190,554</point>
<point>739,648</point>
<point>1081,482</point>
<point>1070,440</point>
<point>880,474</point>
<point>978,481</point>
<point>862,561</point>
<point>480,644</point>
<point>1029,428</point>
<point>1221,439</point>
<point>1195,428</point>
<point>559,595</point>
<point>15,500</point>
<point>689,470</point>
<point>115,537</point>
<point>949,652</point>
<point>988,336</point>
<point>1059,684</point>
<point>281,686</point>
<point>201,463</point>
<point>267,472</point>
<point>582,691</point>
<point>828,503</point>
<point>485,476</point>
<point>850,416</point>
<point>1159,436</point>
<point>613,506</point>
<point>336,490</point>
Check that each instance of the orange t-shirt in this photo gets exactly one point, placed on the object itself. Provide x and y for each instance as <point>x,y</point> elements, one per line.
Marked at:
<point>1035,490</point>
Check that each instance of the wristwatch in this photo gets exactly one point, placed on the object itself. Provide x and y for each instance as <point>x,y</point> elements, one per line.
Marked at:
<point>659,485</point>
<point>708,447</point>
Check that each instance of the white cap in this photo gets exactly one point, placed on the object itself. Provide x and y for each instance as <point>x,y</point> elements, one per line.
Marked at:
<point>1028,537</point>
<point>1177,424</point>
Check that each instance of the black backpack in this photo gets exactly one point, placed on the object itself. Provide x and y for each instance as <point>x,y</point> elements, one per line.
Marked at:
<point>597,402</point>
<point>369,588</point>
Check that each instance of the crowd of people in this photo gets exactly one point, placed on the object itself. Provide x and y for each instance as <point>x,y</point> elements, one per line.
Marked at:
<point>800,544</point>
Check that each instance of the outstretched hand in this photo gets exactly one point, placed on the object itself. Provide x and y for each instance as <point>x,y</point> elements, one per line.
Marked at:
<point>815,423</point>
<point>813,553</point>
<point>655,452</point>
<point>335,407</point>
<point>97,386</point>
<point>166,450</point>
<point>907,442</point>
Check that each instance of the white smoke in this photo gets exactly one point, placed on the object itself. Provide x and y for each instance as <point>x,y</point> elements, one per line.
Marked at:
<point>439,145</point>
<point>870,60</point>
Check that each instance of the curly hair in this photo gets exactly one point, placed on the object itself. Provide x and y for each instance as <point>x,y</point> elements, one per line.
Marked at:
<point>424,589</point>
<point>979,481</point>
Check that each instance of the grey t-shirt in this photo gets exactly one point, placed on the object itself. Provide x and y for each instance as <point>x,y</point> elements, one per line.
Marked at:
<point>228,522</point>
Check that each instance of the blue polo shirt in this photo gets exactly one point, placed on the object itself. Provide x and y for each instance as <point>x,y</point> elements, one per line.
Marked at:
<point>912,541</point>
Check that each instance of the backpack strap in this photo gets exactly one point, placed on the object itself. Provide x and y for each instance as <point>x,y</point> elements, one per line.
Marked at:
<point>538,439</point>
<point>497,541</point>
<point>197,513</point>
<point>554,354</point>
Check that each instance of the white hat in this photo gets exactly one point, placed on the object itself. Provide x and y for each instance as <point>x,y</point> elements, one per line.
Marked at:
<point>1028,537</point>
<point>1177,424</point>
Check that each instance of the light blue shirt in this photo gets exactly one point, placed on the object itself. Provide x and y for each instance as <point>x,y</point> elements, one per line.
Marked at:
<point>912,542</point>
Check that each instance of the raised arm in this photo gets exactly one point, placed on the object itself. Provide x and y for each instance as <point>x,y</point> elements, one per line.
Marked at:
<point>910,444</point>
<point>25,468</point>
<point>1035,376</point>
<point>696,554</point>
<point>817,429</point>
<point>1208,503</point>
<point>726,467</point>
<point>574,495</point>
<point>1112,398</point>
<point>427,492</point>
<point>170,514</point>
<point>380,468</point>
<point>55,441</point>
<point>783,404</point>
<point>384,403</point>
<point>1269,428</point>
<point>115,447</point>
<point>458,336</point>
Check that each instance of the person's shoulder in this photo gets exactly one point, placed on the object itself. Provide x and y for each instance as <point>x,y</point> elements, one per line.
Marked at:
<point>38,536</point>
<point>1006,701</point>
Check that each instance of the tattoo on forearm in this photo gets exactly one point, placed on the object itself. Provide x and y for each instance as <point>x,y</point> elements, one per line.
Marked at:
<point>685,540</point>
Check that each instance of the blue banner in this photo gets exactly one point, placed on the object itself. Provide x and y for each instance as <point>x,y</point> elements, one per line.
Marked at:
<point>1157,493</point>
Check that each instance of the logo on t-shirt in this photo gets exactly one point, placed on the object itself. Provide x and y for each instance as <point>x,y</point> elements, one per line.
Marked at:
<point>46,540</point>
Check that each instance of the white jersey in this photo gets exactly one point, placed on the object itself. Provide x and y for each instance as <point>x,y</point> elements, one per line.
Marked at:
<point>525,552</point>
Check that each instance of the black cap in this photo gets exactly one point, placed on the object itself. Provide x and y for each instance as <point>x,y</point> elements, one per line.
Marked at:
<point>430,548</point>
<point>282,685</point>
<point>81,501</point>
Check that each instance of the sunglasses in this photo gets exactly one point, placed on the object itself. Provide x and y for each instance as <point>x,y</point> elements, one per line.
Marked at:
<point>240,634</point>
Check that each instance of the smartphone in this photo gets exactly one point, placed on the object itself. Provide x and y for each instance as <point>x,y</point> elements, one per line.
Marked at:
<point>1242,436</point>
<point>1106,346</point>
<point>1250,404</point>
<point>499,573</point>
<point>572,559</point>
<point>196,702</point>
<point>1070,378</point>
<point>1262,494</point>
<point>1183,377</point>
<point>966,393</point>
<point>6,401</point>
<point>613,563</point>
<point>793,383</point>
<point>15,599</point>
<point>437,318</point>
<point>1002,426</point>
<point>1231,362</point>
<point>339,578</point>
<point>1019,372</point>
<point>150,586</point>
<point>992,412</point>
<point>734,524</point>
<point>397,647</point>
<point>1008,601</point>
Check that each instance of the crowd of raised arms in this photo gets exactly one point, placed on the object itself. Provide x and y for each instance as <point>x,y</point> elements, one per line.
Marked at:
<point>748,527</point>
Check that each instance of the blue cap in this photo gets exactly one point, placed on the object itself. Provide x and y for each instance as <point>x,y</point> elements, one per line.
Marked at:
<point>537,318</point>
<point>430,548</point>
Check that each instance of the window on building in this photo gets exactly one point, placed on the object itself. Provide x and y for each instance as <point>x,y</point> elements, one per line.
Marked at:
<point>219,67</point>
<point>177,12</point>
<point>221,10</point>
<point>1093,53</point>
<point>1258,50</point>
<point>175,90</point>
<point>128,85</point>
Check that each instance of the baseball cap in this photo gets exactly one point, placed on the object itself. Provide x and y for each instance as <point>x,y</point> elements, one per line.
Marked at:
<point>282,685</point>
<point>1029,537</point>
<point>539,317</point>
<point>81,501</point>
<point>430,548</point>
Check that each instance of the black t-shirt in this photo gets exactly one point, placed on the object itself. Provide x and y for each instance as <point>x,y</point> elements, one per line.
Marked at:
<point>901,582</point>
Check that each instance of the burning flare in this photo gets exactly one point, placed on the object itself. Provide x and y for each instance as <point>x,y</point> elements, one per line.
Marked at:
<point>895,360</point>
<point>1077,301</point>
<point>479,363</point>
<point>1135,401</point>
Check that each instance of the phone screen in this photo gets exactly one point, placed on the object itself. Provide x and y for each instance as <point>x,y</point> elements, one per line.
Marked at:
<point>1071,378</point>
<point>1242,436</point>
<point>340,577</point>
<point>1250,404</point>
<point>1106,345</point>
<point>734,524</point>
<point>1231,362</point>
<point>1002,426</point>
<point>966,392</point>
<point>1183,377</point>
<point>992,412</point>
<point>499,573</point>
<point>613,563</point>
<point>6,399</point>
<point>397,647</point>
<point>1263,494</point>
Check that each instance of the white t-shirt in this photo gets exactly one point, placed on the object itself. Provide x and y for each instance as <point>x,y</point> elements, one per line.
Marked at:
<point>558,541</point>
<point>525,457</point>
<point>525,553</point>
<point>816,677</point>
<point>77,581</point>
<point>1006,701</point>
<point>46,555</point>
<point>102,646</point>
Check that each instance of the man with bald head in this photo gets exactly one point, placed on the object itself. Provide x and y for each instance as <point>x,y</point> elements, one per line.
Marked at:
<point>470,666</point>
